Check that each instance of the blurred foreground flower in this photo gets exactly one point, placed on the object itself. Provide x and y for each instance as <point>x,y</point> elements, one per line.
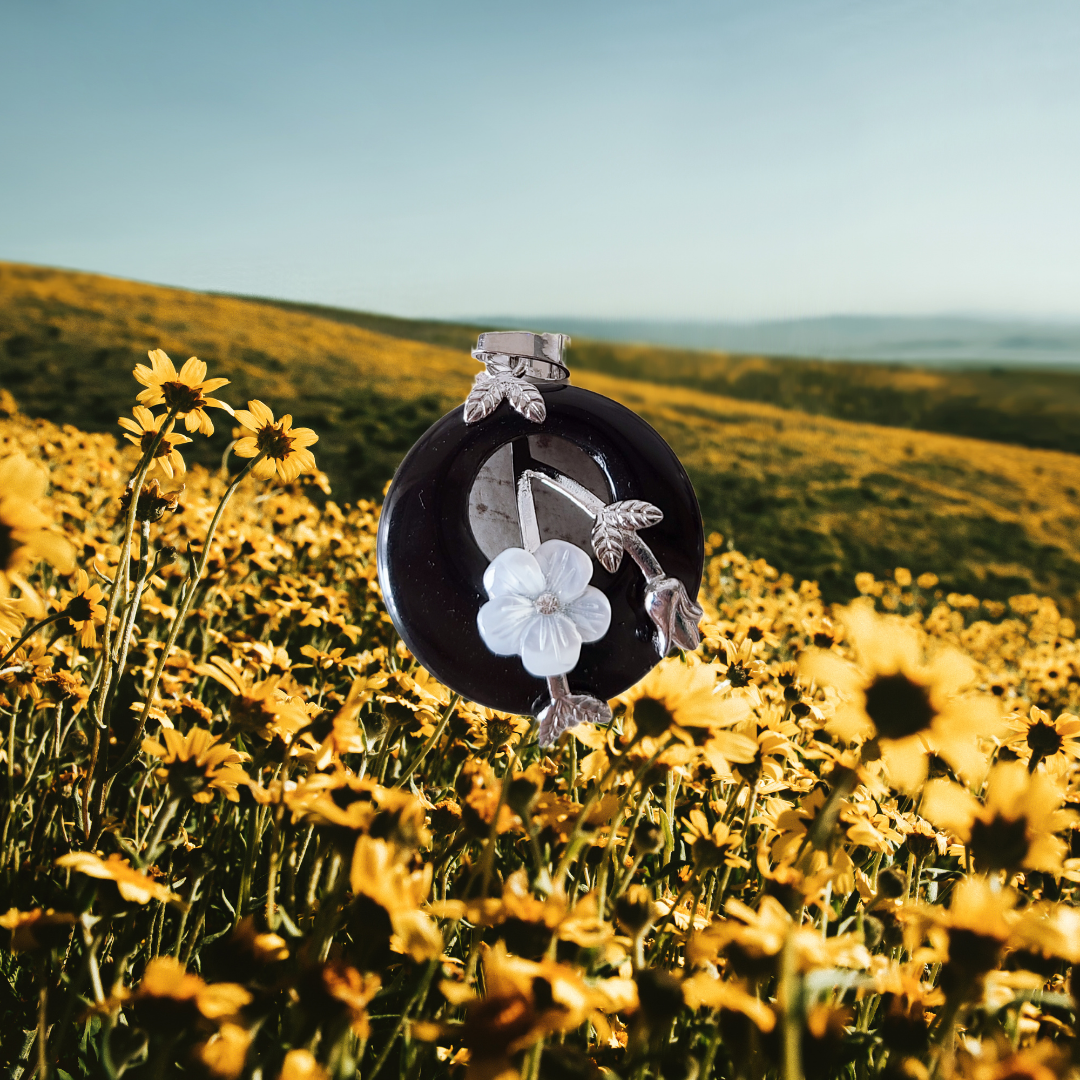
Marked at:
<point>901,704</point>
<point>24,529</point>
<point>37,929</point>
<point>1015,827</point>
<point>130,883</point>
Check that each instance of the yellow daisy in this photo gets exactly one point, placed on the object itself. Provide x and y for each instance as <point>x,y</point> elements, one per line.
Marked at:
<point>143,430</point>
<point>1036,738</point>
<point>83,608</point>
<point>1017,825</point>
<point>24,534</point>
<point>185,392</point>
<point>902,705</point>
<point>285,447</point>
<point>197,764</point>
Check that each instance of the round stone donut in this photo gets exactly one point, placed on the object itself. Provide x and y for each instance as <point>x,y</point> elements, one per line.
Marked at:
<point>437,535</point>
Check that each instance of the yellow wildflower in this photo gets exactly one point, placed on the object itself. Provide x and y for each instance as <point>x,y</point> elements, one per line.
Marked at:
<point>185,392</point>
<point>285,447</point>
<point>143,430</point>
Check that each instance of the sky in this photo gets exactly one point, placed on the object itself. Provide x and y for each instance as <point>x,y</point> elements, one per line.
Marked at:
<point>647,160</point>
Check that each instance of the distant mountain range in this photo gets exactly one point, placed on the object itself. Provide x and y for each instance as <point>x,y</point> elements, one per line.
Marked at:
<point>922,340</point>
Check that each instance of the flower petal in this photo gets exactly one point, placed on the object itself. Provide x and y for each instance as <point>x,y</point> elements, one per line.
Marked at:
<point>502,623</point>
<point>550,645</point>
<point>567,569</point>
<point>193,372</point>
<point>261,411</point>
<point>591,613</point>
<point>514,572</point>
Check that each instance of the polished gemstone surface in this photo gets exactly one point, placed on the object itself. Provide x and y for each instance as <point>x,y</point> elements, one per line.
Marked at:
<point>451,510</point>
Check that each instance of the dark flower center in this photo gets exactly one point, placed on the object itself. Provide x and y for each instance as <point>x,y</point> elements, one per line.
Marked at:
<point>999,844</point>
<point>1043,739</point>
<point>898,706</point>
<point>79,609</point>
<point>186,777</point>
<point>738,674</point>
<point>8,546</point>
<point>651,716</point>
<point>152,504</point>
<point>164,449</point>
<point>972,953</point>
<point>274,442</point>
<point>706,854</point>
<point>181,397</point>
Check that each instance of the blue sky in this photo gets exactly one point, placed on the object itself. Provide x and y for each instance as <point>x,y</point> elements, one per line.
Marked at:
<point>651,160</point>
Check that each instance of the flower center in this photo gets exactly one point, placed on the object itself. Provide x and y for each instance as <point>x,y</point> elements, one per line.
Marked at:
<point>1043,739</point>
<point>547,603</point>
<point>999,844</point>
<point>274,441</point>
<point>164,447</point>
<point>79,609</point>
<point>182,397</point>
<point>8,546</point>
<point>898,706</point>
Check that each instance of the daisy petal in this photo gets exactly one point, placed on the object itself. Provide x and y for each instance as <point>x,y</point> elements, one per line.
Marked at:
<point>567,569</point>
<point>262,412</point>
<point>550,646</point>
<point>514,572</point>
<point>502,623</point>
<point>193,372</point>
<point>591,614</point>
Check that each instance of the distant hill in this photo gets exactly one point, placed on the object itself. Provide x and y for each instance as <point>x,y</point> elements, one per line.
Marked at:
<point>821,497</point>
<point>1028,406</point>
<point>941,340</point>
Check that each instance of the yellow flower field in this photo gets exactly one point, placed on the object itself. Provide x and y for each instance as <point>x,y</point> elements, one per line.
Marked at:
<point>824,498</point>
<point>244,834</point>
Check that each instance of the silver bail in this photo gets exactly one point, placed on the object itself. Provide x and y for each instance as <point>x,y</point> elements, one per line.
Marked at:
<point>530,356</point>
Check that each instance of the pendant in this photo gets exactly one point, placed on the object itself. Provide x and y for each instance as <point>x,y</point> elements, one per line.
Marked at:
<point>540,548</point>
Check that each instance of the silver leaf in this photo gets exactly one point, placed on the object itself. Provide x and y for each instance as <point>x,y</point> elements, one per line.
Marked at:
<point>484,397</point>
<point>567,712</point>
<point>676,616</point>
<point>633,514</point>
<point>607,543</point>
<point>524,398</point>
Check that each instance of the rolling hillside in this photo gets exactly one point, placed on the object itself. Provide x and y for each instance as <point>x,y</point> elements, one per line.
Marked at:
<point>820,497</point>
<point>1024,405</point>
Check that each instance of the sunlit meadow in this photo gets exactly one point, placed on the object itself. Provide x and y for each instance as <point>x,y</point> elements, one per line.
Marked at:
<point>244,834</point>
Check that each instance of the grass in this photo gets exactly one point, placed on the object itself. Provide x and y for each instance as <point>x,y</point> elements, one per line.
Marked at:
<point>822,496</point>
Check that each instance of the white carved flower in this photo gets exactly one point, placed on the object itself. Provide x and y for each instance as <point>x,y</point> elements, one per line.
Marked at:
<point>542,607</point>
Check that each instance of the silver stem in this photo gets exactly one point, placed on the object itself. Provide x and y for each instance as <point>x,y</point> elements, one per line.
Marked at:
<point>640,552</point>
<point>558,687</point>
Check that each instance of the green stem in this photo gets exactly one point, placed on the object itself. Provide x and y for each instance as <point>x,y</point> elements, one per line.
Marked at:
<point>178,620</point>
<point>29,634</point>
<point>122,564</point>
<point>435,736</point>
<point>788,1000</point>
<point>420,992</point>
